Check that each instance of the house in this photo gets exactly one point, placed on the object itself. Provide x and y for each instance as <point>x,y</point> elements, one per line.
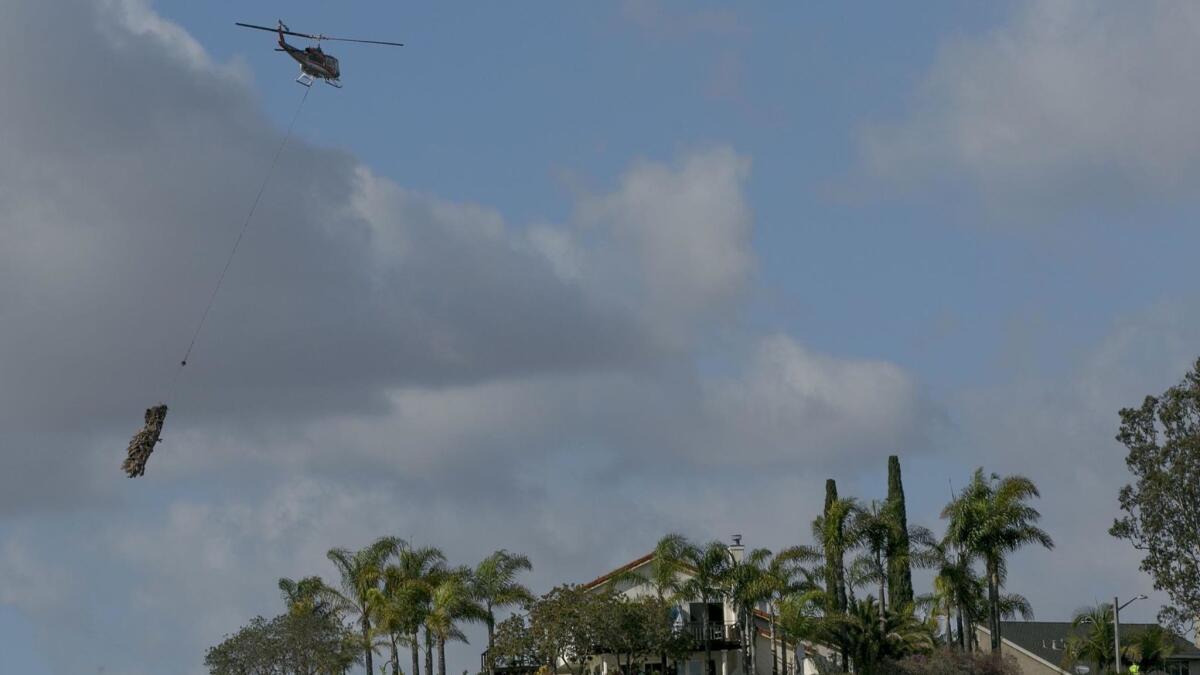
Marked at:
<point>724,630</point>
<point>1040,646</point>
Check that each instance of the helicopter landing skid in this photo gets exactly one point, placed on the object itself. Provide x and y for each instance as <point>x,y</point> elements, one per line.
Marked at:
<point>334,83</point>
<point>305,79</point>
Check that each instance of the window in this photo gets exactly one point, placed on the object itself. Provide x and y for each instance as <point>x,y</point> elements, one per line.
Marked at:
<point>1177,668</point>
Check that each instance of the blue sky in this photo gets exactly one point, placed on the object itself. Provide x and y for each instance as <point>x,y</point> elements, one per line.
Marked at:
<point>520,269</point>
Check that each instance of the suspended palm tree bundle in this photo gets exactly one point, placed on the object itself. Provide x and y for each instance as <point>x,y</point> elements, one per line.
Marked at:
<point>143,442</point>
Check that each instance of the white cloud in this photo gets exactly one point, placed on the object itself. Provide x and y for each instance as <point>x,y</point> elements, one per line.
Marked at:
<point>1069,101</point>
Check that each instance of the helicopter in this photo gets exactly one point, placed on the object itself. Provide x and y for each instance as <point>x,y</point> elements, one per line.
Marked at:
<point>315,64</point>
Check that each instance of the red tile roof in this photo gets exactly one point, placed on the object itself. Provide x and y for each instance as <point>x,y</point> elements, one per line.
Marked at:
<point>634,564</point>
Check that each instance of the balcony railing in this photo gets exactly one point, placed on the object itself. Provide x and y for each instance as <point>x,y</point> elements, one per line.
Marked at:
<point>717,631</point>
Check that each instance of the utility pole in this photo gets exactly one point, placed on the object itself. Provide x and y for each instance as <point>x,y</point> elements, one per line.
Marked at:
<point>1117,607</point>
<point>1117,633</point>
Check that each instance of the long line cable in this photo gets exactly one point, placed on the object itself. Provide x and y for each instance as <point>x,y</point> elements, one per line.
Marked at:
<point>237,242</point>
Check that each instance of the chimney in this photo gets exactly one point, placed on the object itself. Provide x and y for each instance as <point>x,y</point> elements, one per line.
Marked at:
<point>737,550</point>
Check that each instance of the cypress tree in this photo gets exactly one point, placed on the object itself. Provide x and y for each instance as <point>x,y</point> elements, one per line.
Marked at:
<point>835,564</point>
<point>900,589</point>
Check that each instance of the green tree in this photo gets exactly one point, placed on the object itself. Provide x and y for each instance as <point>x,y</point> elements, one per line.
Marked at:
<point>495,586</point>
<point>513,645</point>
<point>1148,648</point>
<point>360,578</point>
<point>898,555</point>
<point>991,519</point>
<point>295,643</point>
<point>830,533</point>
<point>565,625</point>
<point>1162,505</point>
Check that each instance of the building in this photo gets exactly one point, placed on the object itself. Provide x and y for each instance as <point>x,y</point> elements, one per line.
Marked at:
<point>724,629</point>
<point>1040,647</point>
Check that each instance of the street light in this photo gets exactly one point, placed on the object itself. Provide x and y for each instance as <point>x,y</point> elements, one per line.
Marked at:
<point>1117,607</point>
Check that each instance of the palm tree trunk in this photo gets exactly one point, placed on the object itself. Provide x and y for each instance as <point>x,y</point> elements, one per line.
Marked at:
<point>994,604</point>
<point>416,654</point>
<point>395,656</point>
<point>965,624</point>
<point>783,653</point>
<point>774,661</point>
<point>441,645</point>
<point>366,636</point>
<point>491,626</point>
<point>707,642</point>
<point>428,653</point>
<point>744,632</point>
<point>960,639</point>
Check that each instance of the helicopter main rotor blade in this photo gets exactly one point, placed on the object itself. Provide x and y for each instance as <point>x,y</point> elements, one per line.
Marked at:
<point>369,42</point>
<point>276,30</point>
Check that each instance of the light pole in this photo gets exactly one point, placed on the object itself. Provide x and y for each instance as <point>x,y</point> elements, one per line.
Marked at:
<point>1117,607</point>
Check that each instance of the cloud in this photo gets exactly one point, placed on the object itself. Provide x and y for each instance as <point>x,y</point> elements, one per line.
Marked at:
<point>681,234</point>
<point>1067,102</point>
<point>667,21</point>
<point>380,360</point>
<point>29,583</point>
<point>793,403</point>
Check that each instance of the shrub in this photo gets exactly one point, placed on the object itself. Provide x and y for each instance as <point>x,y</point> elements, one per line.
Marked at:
<point>950,662</point>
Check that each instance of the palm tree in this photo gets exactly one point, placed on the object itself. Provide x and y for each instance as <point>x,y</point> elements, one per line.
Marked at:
<point>303,597</point>
<point>781,577</point>
<point>361,575</point>
<point>409,585</point>
<point>406,594</point>
<point>1096,644</point>
<point>708,569</point>
<point>958,592</point>
<point>494,584</point>
<point>452,602</point>
<point>872,529</point>
<point>1149,648</point>
<point>872,636</point>
<point>748,587</point>
<point>834,536</point>
<point>991,519</point>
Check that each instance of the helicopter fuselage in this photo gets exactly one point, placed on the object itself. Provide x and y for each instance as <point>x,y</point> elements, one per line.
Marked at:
<point>314,62</point>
